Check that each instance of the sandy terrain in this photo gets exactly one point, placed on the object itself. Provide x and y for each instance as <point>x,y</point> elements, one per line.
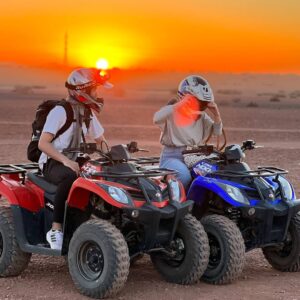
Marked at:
<point>128,116</point>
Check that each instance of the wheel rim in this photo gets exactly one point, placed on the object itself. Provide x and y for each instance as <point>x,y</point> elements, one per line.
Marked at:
<point>178,247</point>
<point>215,255</point>
<point>90,261</point>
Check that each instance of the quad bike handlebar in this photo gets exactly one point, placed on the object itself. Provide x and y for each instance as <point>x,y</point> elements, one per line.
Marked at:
<point>250,145</point>
<point>115,153</point>
<point>209,149</point>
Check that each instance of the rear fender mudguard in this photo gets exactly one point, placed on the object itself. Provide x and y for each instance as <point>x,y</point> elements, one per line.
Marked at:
<point>81,190</point>
<point>25,195</point>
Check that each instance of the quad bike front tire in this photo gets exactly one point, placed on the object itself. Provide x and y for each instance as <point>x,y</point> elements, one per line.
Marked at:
<point>285,257</point>
<point>227,250</point>
<point>192,259</point>
<point>13,261</point>
<point>98,259</point>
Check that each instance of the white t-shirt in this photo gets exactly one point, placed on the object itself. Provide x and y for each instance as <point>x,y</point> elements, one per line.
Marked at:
<point>56,119</point>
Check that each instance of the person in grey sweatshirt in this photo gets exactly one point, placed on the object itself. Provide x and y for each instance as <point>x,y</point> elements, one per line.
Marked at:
<point>184,123</point>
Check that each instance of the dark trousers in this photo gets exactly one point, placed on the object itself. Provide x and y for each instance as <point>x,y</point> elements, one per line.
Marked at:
<point>62,176</point>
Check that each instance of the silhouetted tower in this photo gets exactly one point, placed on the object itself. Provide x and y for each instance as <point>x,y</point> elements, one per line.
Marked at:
<point>66,50</point>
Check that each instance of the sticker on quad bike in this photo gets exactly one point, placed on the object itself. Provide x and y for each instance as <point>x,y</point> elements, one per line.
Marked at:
<point>203,168</point>
<point>90,169</point>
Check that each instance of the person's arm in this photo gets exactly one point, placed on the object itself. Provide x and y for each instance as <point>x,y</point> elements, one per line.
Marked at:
<point>46,146</point>
<point>55,120</point>
<point>209,124</point>
<point>162,115</point>
<point>215,120</point>
<point>216,116</point>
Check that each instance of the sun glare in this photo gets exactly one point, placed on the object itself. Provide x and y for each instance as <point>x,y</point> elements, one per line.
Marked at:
<point>102,64</point>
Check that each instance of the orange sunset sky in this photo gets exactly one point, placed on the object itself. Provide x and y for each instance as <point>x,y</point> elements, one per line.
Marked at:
<point>214,35</point>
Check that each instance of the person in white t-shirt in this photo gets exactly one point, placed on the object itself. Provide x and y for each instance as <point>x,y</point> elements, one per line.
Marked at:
<point>61,168</point>
<point>184,123</point>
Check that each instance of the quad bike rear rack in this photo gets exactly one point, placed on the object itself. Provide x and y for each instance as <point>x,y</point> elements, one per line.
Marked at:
<point>18,169</point>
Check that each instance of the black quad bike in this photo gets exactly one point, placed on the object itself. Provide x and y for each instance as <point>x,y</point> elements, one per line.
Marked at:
<point>116,210</point>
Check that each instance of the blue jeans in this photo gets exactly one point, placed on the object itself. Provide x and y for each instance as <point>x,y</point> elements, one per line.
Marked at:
<point>171,158</point>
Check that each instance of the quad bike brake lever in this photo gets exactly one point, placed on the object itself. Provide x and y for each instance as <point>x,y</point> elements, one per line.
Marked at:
<point>142,150</point>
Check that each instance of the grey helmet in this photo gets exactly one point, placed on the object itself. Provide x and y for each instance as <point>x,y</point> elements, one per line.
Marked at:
<point>197,86</point>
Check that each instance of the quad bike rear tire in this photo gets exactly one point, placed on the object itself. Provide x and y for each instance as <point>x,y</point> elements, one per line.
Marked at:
<point>98,259</point>
<point>227,250</point>
<point>286,257</point>
<point>193,262</point>
<point>13,261</point>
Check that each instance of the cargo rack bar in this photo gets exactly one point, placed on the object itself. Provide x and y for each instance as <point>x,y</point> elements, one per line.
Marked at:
<point>146,160</point>
<point>136,174</point>
<point>259,172</point>
<point>18,168</point>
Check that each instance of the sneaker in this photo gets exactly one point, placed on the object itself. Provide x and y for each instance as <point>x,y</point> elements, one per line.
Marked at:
<point>55,239</point>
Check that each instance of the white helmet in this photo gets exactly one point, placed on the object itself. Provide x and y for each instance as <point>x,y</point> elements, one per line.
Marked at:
<point>197,86</point>
<point>80,83</point>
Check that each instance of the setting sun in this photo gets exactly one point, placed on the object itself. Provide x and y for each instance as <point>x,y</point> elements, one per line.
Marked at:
<point>102,64</point>
<point>238,36</point>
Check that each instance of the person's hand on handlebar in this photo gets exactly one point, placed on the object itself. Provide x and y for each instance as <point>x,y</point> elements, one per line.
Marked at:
<point>73,165</point>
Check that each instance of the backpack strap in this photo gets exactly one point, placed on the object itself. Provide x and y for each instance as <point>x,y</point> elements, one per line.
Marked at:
<point>87,117</point>
<point>70,118</point>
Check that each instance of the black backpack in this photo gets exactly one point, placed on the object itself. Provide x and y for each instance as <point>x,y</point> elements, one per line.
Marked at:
<point>33,152</point>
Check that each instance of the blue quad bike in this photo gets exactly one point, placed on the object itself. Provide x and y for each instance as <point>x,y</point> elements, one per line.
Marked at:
<point>242,209</point>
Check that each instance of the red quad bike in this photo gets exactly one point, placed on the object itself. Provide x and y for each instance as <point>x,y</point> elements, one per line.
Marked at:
<point>116,210</point>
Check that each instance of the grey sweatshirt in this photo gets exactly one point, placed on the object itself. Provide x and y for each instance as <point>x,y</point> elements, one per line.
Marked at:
<point>190,135</point>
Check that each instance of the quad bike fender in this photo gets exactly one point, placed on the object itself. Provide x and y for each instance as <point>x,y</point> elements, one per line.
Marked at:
<point>81,190</point>
<point>202,185</point>
<point>25,195</point>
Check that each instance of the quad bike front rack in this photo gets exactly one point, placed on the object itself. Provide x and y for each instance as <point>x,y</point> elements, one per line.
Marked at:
<point>157,172</point>
<point>146,160</point>
<point>259,172</point>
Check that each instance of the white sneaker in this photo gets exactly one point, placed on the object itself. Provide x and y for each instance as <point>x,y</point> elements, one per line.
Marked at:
<point>55,239</point>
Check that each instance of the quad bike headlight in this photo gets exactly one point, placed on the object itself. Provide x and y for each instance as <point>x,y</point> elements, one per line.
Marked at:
<point>234,193</point>
<point>287,189</point>
<point>117,194</point>
<point>174,189</point>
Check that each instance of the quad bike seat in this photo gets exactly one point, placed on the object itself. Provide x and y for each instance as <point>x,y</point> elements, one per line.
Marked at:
<point>42,183</point>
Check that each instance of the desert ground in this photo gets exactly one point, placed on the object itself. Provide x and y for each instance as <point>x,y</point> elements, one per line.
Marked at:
<point>265,108</point>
